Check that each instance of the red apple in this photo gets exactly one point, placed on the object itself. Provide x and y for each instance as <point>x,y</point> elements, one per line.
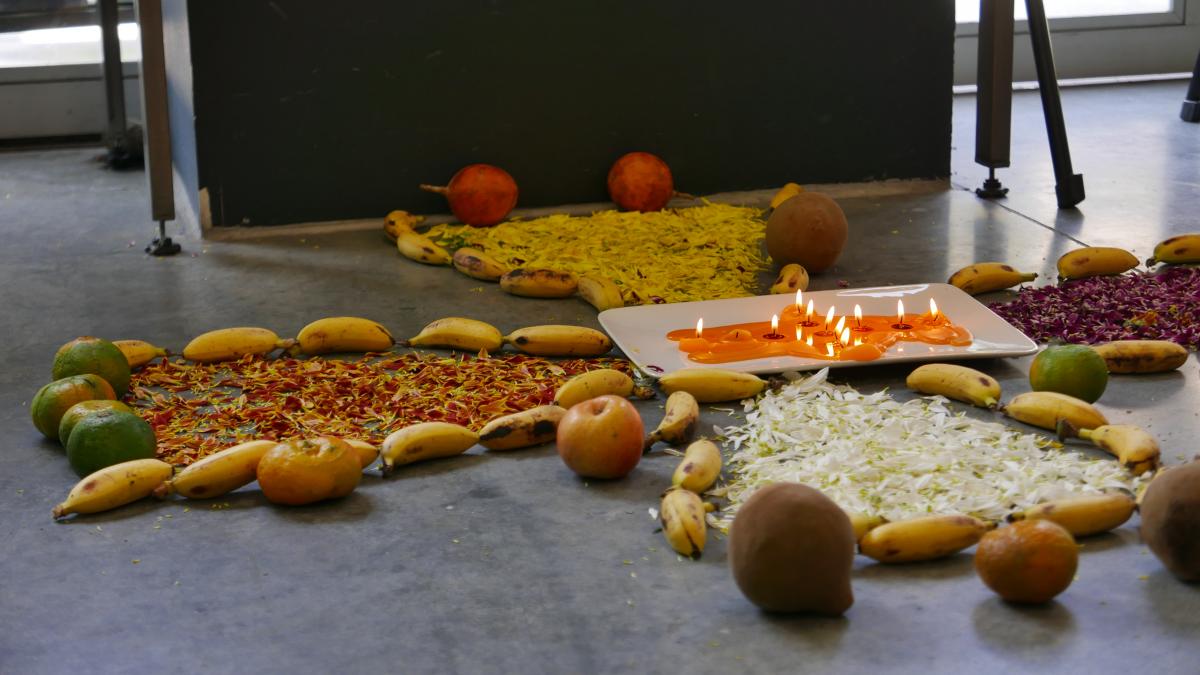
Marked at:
<point>601,437</point>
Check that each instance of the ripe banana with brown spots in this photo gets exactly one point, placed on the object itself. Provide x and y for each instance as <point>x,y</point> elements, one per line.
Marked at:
<point>713,385</point>
<point>418,247</point>
<point>139,352</point>
<point>862,524</point>
<point>1183,248</point>
<point>458,333</point>
<point>1142,356</point>
<point>600,293</point>
<point>520,430</point>
<point>229,344</point>
<point>427,440</point>
<point>556,340</point>
<point>539,283</point>
<point>923,538</point>
<point>1095,261</point>
<point>1084,515</point>
<point>220,473</point>
<point>682,517</point>
<point>986,277</point>
<point>1046,409</point>
<point>957,382</point>
<point>114,486</point>
<point>1133,446</point>
<point>400,221</point>
<point>589,385</point>
<point>342,334</point>
<point>678,422</point>
<point>792,278</point>
<point>699,468</point>
<point>367,452</point>
<point>478,265</point>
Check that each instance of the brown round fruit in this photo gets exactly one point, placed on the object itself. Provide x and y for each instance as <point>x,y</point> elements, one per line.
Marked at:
<point>808,229</point>
<point>480,195</point>
<point>639,181</point>
<point>1029,562</point>
<point>303,471</point>
<point>1171,519</point>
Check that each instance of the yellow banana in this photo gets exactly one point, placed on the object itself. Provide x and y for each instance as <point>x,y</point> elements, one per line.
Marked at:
<point>862,524</point>
<point>228,344</point>
<point>791,278</point>
<point>699,468</point>
<point>1133,447</point>
<point>220,473</point>
<point>1184,248</point>
<point>539,283</point>
<point>552,340</point>
<point>678,422</point>
<point>1046,409</point>
<point>682,516</point>
<point>420,248</point>
<point>400,221</point>
<point>367,452</point>
<point>114,486</point>
<point>521,430</point>
<point>986,277</point>
<point>427,440</point>
<point>1084,515</point>
<point>343,334</point>
<point>1142,356</point>
<point>785,193</point>
<point>478,265</point>
<point>600,293</point>
<point>957,382</point>
<point>923,538</point>
<point>458,333</point>
<point>139,352</point>
<point>589,385</point>
<point>713,385</point>
<point>1095,261</point>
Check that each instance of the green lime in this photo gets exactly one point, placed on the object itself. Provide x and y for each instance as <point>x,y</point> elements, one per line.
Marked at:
<point>108,437</point>
<point>93,355</point>
<point>52,401</point>
<point>1074,370</point>
<point>81,410</point>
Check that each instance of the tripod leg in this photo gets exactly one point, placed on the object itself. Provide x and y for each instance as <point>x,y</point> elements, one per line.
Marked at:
<point>1191,105</point>
<point>1068,185</point>
<point>993,102</point>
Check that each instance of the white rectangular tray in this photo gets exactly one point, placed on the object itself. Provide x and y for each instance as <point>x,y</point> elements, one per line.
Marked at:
<point>641,331</point>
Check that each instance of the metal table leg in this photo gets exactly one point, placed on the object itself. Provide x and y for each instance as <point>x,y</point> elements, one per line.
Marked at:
<point>1069,185</point>
<point>993,107</point>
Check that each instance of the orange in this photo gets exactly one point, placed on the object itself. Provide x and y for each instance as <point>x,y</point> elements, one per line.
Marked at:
<point>1030,561</point>
<point>53,400</point>
<point>1074,370</point>
<point>93,355</point>
<point>307,470</point>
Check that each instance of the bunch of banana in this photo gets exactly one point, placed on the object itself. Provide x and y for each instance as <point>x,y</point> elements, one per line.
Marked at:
<point>1133,447</point>
<point>342,334</point>
<point>589,385</point>
<point>600,292</point>
<point>713,385</point>
<point>458,333</point>
<point>1184,248</point>
<point>139,352</point>
<point>862,524</point>
<point>1082,516</point>
<point>539,283</point>
<point>228,344</point>
<point>785,193</point>
<point>957,382</point>
<point>478,265</point>
<point>400,221</point>
<point>521,430</point>
<point>986,277</point>
<point>427,440</point>
<point>678,422</point>
<point>792,278</point>
<point>1046,409</point>
<point>1095,261</point>
<point>418,247</point>
<point>923,538</point>
<point>554,340</point>
<point>114,486</point>
<point>682,516</point>
<point>699,468</point>
<point>219,473</point>
<point>1141,356</point>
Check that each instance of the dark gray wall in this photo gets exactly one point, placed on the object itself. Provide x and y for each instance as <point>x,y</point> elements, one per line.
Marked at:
<point>309,111</point>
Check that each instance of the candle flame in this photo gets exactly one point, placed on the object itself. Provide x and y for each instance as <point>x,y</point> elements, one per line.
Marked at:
<point>845,337</point>
<point>774,324</point>
<point>829,317</point>
<point>700,327</point>
<point>857,316</point>
<point>900,311</point>
<point>799,300</point>
<point>933,309</point>
<point>808,312</point>
<point>841,323</point>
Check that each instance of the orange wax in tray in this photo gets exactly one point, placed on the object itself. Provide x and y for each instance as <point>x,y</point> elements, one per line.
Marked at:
<point>849,338</point>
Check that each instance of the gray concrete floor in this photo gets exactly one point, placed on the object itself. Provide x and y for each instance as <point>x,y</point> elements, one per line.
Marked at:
<point>511,564</point>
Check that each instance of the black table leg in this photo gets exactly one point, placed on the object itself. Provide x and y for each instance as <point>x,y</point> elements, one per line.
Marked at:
<point>1191,105</point>
<point>1069,185</point>
<point>993,103</point>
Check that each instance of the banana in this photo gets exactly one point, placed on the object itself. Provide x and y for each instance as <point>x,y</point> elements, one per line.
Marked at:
<point>553,340</point>
<point>862,524</point>
<point>1046,409</point>
<point>591,384</point>
<point>220,473</point>
<point>1082,516</point>
<point>713,385</point>
<point>699,468</point>
<point>1184,248</point>
<point>367,452</point>
<point>539,283</point>
<point>957,382</point>
<point>986,277</point>
<point>1133,447</point>
<point>791,278</point>
<point>521,430</point>
<point>1095,261</point>
<point>343,334</point>
<point>420,248</point>
<point>785,193</point>
<point>678,422</point>
<point>228,344</point>
<point>427,440</point>
<point>923,538</point>
<point>458,333</point>
<point>478,265</point>
<point>682,516</point>
<point>600,293</point>
<point>1142,356</point>
<point>114,486</point>
<point>400,221</point>
<point>139,352</point>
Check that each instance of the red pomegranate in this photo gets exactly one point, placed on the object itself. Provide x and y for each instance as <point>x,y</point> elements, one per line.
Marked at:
<point>639,181</point>
<point>480,195</point>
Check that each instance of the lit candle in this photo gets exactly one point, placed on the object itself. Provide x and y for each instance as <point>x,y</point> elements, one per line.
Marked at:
<point>857,317</point>
<point>808,313</point>
<point>774,324</point>
<point>799,300</point>
<point>696,344</point>
<point>829,317</point>
<point>845,337</point>
<point>840,324</point>
<point>934,315</point>
<point>900,312</point>
<point>700,328</point>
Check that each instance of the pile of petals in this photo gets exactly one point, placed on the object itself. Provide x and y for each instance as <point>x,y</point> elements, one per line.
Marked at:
<point>197,409</point>
<point>1162,306</point>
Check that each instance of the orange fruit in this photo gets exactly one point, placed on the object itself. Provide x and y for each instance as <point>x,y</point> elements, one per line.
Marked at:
<point>53,400</point>
<point>93,355</point>
<point>1074,370</point>
<point>307,470</point>
<point>1030,561</point>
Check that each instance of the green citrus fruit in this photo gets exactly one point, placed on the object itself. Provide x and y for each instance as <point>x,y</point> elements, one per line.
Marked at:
<point>1074,370</point>
<point>93,355</point>
<point>108,437</point>
<point>54,399</point>
<point>81,410</point>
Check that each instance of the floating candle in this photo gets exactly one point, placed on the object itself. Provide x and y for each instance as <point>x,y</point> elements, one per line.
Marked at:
<point>774,334</point>
<point>829,317</point>
<point>858,318</point>
<point>808,316</point>
<point>837,330</point>
<point>934,315</point>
